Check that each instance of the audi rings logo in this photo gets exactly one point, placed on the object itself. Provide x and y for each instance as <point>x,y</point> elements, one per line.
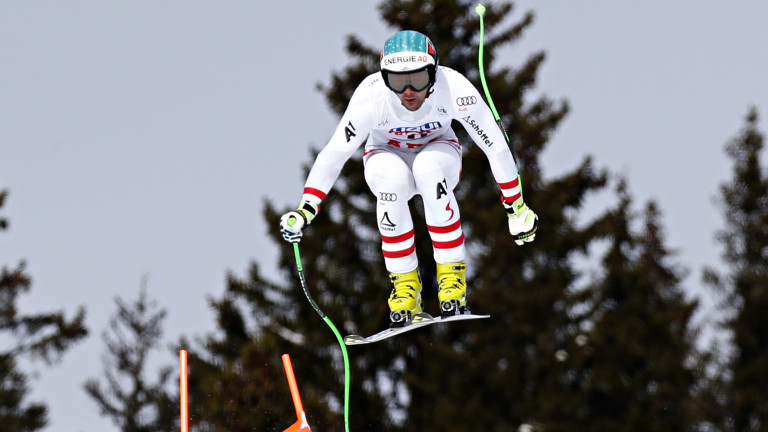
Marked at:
<point>466,100</point>
<point>385,196</point>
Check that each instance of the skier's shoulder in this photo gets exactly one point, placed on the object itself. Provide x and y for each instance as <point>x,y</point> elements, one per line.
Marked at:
<point>450,75</point>
<point>372,85</point>
<point>452,83</point>
<point>447,71</point>
<point>367,101</point>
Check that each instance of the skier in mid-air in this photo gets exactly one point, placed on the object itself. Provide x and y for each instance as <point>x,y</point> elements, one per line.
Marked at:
<point>403,115</point>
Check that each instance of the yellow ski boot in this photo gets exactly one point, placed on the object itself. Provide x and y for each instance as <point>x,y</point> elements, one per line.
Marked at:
<point>405,300</point>
<point>452,288</point>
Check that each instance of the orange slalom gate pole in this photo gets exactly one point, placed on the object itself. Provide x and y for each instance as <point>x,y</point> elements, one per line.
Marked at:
<point>183,392</point>
<point>301,424</point>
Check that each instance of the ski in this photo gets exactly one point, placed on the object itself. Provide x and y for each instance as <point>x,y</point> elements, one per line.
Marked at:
<point>421,319</point>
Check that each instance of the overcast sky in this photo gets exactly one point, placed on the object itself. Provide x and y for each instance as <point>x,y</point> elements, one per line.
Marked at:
<point>139,139</point>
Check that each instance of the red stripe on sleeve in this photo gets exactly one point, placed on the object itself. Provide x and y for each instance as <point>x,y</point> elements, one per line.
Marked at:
<point>511,199</point>
<point>316,192</point>
<point>510,185</point>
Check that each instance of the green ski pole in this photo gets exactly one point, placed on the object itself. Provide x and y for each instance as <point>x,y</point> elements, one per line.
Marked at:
<point>480,9</point>
<point>327,320</point>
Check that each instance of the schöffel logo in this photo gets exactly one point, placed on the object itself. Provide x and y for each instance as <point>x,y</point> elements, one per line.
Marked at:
<point>466,100</point>
<point>386,224</point>
<point>386,196</point>
<point>480,133</point>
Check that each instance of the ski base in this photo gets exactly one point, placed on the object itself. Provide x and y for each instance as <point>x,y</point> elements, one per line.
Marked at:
<point>421,319</point>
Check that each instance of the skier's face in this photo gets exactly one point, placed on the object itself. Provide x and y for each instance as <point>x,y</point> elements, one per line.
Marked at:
<point>412,100</point>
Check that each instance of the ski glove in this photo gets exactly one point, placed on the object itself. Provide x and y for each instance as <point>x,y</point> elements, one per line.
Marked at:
<point>523,222</point>
<point>292,223</point>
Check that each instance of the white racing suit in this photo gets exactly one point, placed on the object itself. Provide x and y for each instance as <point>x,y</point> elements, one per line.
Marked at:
<point>414,152</point>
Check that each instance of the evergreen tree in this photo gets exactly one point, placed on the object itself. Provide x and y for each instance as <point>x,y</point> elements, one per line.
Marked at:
<point>126,397</point>
<point>43,337</point>
<point>631,364</point>
<point>742,387</point>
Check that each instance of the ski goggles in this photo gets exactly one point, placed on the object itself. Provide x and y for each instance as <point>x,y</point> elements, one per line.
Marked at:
<point>398,82</point>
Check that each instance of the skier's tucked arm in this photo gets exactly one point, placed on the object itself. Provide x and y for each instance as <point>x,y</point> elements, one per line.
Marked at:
<point>351,132</point>
<point>477,118</point>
